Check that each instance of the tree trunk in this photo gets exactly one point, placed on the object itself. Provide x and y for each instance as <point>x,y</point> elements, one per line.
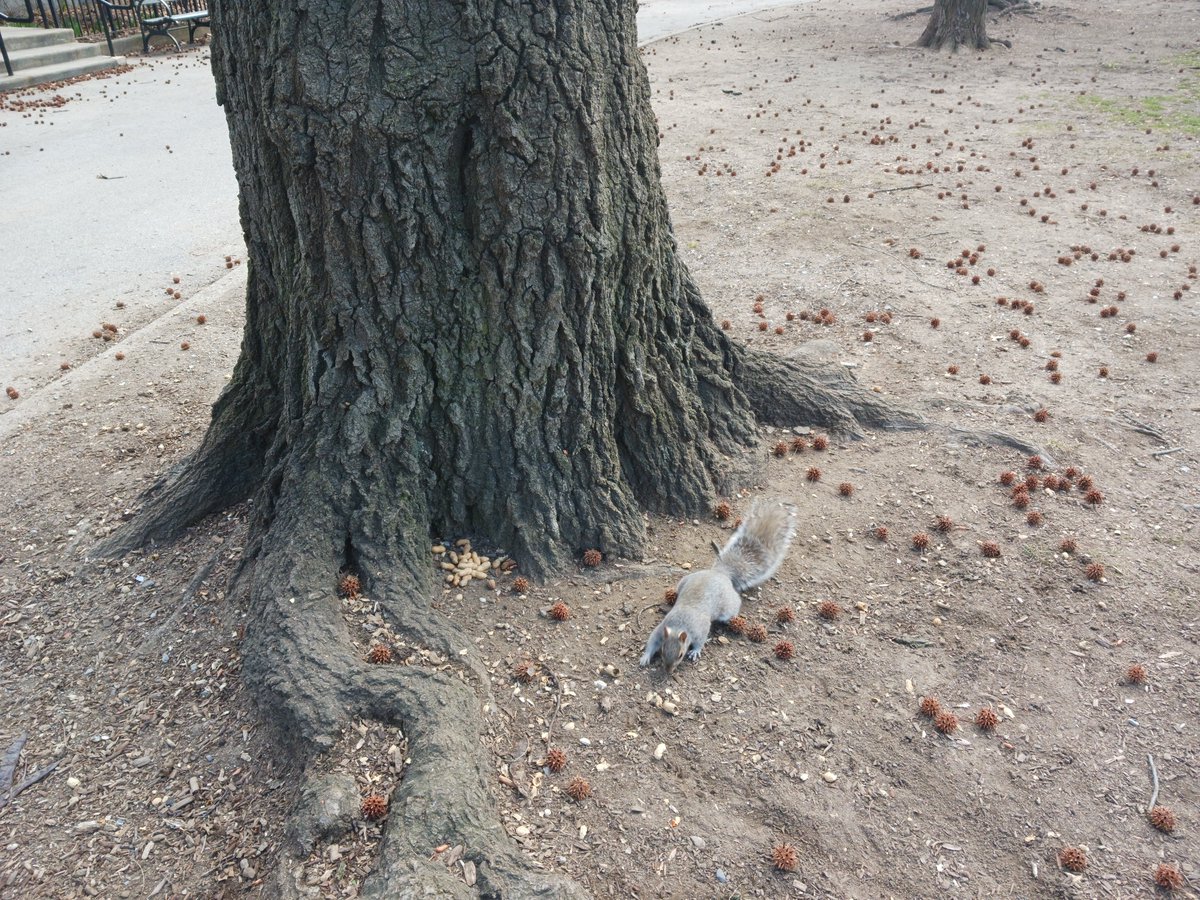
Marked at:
<point>957,23</point>
<point>465,315</point>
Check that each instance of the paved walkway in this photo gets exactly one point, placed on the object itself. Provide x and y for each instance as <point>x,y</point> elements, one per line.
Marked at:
<point>108,197</point>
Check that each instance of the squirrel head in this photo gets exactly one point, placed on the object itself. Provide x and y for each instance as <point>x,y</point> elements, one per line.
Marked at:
<point>674,648</point>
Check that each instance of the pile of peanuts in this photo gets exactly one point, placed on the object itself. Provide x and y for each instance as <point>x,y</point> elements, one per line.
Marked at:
<point>462,564</point>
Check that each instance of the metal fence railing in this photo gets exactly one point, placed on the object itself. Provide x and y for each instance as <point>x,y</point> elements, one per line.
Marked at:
<point>83,16</point>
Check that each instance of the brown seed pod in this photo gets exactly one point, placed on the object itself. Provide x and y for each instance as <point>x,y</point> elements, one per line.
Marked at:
<point>785,858</point>
<point>987,719</point>
<point>525,671</point>
<point>1094,497</point>
<point>726,324</point>
<point>985,379</point>
<point>930,706</point>
<point>1073,859</point>
<point>349,585</point>
<point>1034,518</point>
<point>671,595</point>
<point>374,806</point>
<point>201,319</point>
<point>829,610</point>
<point>1007,478</point>
<point>946,722</point>
<point>990,549</point>
<point>813,474</point>
<point>185,346</point>
<point>1163,819</point>
<point>560,612</point>
<point>1034,462</point>
<point>820,442</point>
<point>780,449</point>
<point>784,650</point>
<point>592,558</point>
<point>757,632</point>
<point>1067,545</point>
<point>1168,877</point>
<point>845,489</point>
<point>520,584</point>
<point>737,624</point>
<point>379,654</point>
<point>556,759</point>
<point>785,614</point>
<point>868,336</point>
<point>1041,415</point>
<point>12,392</point>
<point>722,511</point>
<point>1095,571</point>
<point>799,445</point>
<point>578,788</point>
<point>944,524</point>
<point>1152,357</point>
<point>920,541</point>
<point>1136,674</point>
<point>953,370</point>
<point>881,533</point>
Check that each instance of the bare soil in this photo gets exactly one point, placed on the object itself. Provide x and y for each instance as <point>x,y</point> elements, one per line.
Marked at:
<point>1062,174</point>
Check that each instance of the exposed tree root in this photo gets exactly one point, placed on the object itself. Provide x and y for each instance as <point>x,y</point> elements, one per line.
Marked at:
<point>787,392</point>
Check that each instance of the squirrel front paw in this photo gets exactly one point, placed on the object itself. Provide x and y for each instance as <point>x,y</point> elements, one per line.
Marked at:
<point>645,660</point>
<point>694,655</point>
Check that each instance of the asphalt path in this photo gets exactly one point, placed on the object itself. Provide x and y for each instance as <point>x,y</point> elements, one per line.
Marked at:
<point>106,199</point>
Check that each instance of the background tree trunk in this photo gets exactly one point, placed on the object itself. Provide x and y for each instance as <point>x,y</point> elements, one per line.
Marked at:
<point>465,315</point>
<point>957,23</point>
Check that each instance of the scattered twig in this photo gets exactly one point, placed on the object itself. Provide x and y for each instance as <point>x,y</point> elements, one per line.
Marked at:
<point>1154,779</point>
<point>1143,428</point>
<point>915,643</point>
<point>1165,452</point>
<point>8,765</point>
<point>911,187</point>
<point>29,781</point>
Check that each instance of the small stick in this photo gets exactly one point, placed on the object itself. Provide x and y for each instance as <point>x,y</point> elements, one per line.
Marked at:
<point>29,781</point>
<point>1165,452</point>
<point>911,187</point>
<point>1154,778</point>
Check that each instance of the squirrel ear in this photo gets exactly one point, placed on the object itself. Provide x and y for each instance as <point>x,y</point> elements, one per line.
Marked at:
<point>683,638</point>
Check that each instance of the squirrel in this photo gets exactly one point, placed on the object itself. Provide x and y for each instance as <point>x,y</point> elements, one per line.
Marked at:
<point>714,595</point>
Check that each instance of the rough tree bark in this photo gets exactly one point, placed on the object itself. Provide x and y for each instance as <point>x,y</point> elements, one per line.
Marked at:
<point>465,315</point>
<point>957,23</point>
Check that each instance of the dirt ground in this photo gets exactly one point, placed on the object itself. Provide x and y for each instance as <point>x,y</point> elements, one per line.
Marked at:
<point>1062,175</point>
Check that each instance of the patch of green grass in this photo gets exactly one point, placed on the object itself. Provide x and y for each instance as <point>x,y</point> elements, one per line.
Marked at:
<point>1189,60</point>
<point>1173,112</point>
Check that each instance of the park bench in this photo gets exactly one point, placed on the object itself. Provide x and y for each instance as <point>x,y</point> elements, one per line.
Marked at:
<point>155,18</point>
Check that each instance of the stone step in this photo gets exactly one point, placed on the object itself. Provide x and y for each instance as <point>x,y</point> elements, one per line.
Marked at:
<point>52,54</point>
<point>58,71</point>
<point>24,38</point>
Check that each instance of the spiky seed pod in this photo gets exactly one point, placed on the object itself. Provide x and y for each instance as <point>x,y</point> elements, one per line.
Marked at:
<point>930,706</point>
<point>1095,571</point>
<point>1073,859</point>
<point>1034,518</point>
<point>722,511</point>
<point>1085,483</point>
<point>845,489</point>
<point>525,671</point>
<point>737,624</point>
<point>1067,545</point>
<point>671,595</point>
<point>987,719</point>
<point>1034,462</point>
<point>820,442</point>
<point>560,612</point>
<point>799,445</point>
<point>1163,819</point>
<point>1020,498</point>
<point>1031,482</point>
<point>349,586</point>
<point>785,858</point>
<point>1093,497</point>
<point>520,584</point>
<point>379,654</point>
<point>944,524</point>
<point>1071,473</point>
<point>990,549</point>
<point>881,533</point>
<point>374,806</point>
<point>829,610</point>
<point>556,759</point>
<point>1136,674</point>
<point>1051,482</point>
<point>757,632</point>
<point>591,558</point>
<point>578,788</point>
<point>780,449</point>
<point>784,650</point>
<point>1041,415</point>
<point>946,722</point>
<point>785,614</point>
<point>920,540</point>
<point>1168,877</point>
<point>1007,478</point>
<point>813,474</point>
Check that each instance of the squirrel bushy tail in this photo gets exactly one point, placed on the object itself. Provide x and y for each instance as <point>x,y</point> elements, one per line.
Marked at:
<point>759,545</point>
